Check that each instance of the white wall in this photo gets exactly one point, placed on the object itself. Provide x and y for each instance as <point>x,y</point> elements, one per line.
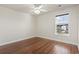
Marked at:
<point>78,27</point>
<point>46,26</point>
<point>15,26</point>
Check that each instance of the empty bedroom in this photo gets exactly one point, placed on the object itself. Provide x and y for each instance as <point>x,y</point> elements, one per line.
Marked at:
<point>39,29</point>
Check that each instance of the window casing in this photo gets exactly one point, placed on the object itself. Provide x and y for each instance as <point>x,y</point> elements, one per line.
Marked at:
<point>62,24</point>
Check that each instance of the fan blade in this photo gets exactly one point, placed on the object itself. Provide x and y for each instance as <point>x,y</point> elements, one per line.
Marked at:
<point>33,6</point>
<point>40,6</point>
<point>43,10</point>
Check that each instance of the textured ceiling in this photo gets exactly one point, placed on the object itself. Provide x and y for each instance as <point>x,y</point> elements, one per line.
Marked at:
<point>27,8</point>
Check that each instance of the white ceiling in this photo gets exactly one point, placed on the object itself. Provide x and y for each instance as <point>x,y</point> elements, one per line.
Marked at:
<point>27,8</point>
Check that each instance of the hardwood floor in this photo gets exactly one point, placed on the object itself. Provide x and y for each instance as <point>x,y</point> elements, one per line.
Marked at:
<point>38,45</point>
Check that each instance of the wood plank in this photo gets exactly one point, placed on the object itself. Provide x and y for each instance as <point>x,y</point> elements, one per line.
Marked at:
<point>38,45</point>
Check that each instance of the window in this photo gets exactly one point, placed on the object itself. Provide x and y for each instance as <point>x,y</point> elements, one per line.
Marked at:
<point>62,23</point>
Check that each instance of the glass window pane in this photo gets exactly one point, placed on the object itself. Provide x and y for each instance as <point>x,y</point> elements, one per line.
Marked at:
<point>62,19</point>
<point>62,24</point>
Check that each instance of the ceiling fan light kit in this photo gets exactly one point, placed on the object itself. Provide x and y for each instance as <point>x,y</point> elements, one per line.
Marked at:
<point>37,9</point>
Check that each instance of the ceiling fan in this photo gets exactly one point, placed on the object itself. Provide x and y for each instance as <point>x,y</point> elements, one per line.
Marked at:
<point>38,8</point>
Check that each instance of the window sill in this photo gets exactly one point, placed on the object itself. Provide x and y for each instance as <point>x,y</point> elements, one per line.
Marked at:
<point>62,34</point>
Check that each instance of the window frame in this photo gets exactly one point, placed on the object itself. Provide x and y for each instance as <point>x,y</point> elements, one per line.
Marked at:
<point>65,34</point>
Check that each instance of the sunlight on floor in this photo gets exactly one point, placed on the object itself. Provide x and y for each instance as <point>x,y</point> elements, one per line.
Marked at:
<point>60,49</point>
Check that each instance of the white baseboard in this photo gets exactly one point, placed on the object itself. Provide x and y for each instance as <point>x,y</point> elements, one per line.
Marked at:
<point>37,36</point>
<point>58,40</point>
<point>16,40</point>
